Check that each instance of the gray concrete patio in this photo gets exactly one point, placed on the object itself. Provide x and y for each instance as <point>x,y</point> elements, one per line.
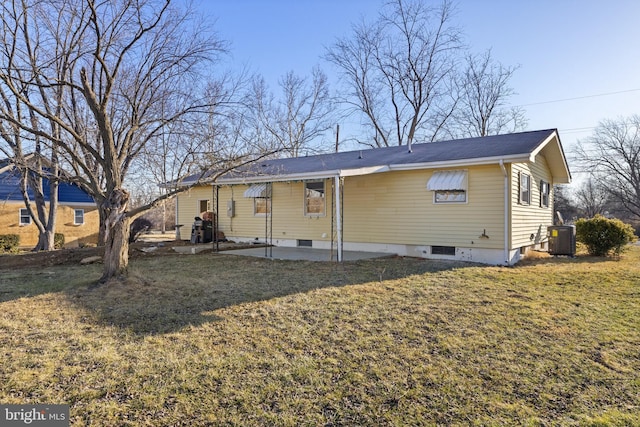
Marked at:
<point>306,254</point>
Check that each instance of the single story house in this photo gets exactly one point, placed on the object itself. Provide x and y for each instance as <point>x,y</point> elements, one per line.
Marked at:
<point>77,217</point>
<point>486,199</point>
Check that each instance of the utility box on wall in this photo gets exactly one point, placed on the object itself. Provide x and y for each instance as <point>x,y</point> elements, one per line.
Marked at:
<point>231,208</point>
<point>562,240</point>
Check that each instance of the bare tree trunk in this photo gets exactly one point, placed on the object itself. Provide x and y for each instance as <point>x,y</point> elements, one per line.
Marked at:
<point>101,231</point>
<point>46,241</point>
<point>116,248</point>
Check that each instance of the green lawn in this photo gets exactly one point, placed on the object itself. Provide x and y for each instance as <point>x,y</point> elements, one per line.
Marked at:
<point>221,340</point>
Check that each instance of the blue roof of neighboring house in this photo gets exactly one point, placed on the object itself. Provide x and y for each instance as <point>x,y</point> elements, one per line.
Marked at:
<point>10,188</point>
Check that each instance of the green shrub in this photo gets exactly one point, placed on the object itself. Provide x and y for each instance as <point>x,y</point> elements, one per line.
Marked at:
<point>58,240</point>
<point>603,236</point>
<point>9,242</point>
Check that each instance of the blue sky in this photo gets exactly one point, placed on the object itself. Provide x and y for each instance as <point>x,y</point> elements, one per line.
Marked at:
<point>565,49</point>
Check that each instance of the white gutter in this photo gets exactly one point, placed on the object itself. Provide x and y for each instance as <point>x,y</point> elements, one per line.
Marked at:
<point>338,218</point>
<point>364,171</point>
<point>461,163</point>
<point>303,176</point>
<point>178,237</point>
<point>279,178</point>
<point>506,212</point>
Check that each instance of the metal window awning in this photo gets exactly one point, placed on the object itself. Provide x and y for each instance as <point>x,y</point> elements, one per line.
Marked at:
<point>258,190</point>
<point>448,180</point>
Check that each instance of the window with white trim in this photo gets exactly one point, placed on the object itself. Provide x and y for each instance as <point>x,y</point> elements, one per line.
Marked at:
<point>448,186</point>
<point>25,218</point>
<point>545,191</point>
<point>314,198</point>
<point>261,206</point>
<point>78,216</point>
<point>261,195</point>
<point>525,188</point>
<point>450,196</point>
<point>203,206</point>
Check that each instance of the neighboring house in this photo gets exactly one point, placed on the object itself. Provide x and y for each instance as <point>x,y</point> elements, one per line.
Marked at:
<point>77,217</point>
<point>485,200</point>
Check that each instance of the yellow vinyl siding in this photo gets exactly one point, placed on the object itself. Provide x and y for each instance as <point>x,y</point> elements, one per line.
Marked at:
<point>387,208</point>
<point>391,208</point>
<point>528,220</point>
<point>396,207</point>
<point>287,206</point>
<point>189,207</point>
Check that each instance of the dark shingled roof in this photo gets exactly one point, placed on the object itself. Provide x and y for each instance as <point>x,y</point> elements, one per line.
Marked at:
<point>434,152</point>
<point>467,151</point>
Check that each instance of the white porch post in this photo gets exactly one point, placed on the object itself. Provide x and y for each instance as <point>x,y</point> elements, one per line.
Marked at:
<point>338,217</point>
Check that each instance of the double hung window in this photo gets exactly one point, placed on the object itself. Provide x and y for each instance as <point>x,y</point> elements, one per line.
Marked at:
<point>314,198</point>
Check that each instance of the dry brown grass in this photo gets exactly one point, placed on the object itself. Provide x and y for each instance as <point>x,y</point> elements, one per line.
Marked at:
<point>223,340</point>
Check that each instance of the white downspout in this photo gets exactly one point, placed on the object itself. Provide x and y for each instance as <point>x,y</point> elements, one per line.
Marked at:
<point>506,212</point>
<point>338,218</point>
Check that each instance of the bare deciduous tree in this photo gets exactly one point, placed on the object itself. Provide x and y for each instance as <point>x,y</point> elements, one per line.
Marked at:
<point>123,61</point>
<point>26,150</point>
<point>301,114</point>
<point>483,106</point>
<point>592,198</point>
<point>400,71</point>
<point>612,153</point>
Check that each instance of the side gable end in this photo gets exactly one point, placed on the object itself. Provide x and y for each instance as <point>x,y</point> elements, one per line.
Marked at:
<point>551,149</point>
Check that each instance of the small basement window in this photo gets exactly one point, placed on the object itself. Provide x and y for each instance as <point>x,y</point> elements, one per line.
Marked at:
<point>443,250</point>
<point>305,243</point>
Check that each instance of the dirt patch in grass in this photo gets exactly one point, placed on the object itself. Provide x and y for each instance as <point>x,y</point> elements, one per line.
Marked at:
<point>69,256</point>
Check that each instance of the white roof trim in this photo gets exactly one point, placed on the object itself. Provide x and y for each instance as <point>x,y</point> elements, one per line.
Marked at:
<point>448,180</point>
<point>258,190</point>
<point>277,178</point>
<point>462,163</point>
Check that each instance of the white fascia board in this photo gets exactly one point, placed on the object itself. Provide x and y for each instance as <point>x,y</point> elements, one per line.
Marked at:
<point>304,176</point>
<point>79,204</point>
<point>277,178</point>
<point>462,163</point>
<point>364,171</point>
<point>562,157</point>
<point>543,144</point>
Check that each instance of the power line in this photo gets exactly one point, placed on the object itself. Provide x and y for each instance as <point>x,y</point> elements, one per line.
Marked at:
<point>577,130</point>
<point>579,97</point>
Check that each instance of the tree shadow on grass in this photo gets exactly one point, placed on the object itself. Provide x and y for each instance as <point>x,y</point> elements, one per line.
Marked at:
<point>168,294</point>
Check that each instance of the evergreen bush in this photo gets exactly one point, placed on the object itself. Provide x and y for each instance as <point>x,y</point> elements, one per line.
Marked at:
<point>603,236</point>
<point>58,240</point>
<point>9,242</point>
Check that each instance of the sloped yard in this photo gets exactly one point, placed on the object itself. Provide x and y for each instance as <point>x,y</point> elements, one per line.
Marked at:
<point>224,340</point>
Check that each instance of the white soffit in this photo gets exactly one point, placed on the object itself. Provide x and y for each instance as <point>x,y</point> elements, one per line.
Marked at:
<point>448,180</point>
<point>258,190</point>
